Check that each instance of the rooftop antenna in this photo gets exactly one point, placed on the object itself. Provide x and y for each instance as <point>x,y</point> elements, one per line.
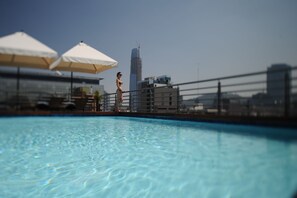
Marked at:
<point>138,45</point>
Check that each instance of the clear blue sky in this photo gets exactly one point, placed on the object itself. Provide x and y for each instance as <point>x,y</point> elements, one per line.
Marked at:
<point>220,37</point>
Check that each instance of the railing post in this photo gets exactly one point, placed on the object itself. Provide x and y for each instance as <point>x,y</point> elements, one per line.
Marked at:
<point>131,102</point>
<point>104,102</point>
<point>219,98</point>
<point>287,96</point>
<point>248,106</point>
<point>177,100</point>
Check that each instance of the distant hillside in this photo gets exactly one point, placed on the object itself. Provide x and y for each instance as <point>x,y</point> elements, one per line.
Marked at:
<point>208,100</point>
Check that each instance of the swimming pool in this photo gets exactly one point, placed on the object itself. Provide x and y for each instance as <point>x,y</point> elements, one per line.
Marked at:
<point>140,157</point>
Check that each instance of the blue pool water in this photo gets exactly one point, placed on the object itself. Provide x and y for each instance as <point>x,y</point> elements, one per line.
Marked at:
<point>137,157</point>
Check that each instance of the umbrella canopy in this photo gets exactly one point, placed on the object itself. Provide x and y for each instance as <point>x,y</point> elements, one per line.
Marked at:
<point>20,49</point>
<point>83,58</point>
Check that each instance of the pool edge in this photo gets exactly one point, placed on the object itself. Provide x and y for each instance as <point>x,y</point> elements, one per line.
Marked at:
<point>258,121</point>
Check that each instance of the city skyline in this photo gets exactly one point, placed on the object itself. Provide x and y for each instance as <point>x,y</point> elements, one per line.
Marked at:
<point>218,38</point>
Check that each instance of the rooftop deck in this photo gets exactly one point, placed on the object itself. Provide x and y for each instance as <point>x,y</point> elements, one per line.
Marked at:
<point>262,98</point>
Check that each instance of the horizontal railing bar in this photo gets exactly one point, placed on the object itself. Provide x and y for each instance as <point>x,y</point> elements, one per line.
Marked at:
<point>234,76</point>
<point>243,84</point>
<point>200,88</point>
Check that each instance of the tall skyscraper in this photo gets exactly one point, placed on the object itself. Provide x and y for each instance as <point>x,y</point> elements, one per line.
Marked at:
<point>135,77</point>
<point>277,82</point>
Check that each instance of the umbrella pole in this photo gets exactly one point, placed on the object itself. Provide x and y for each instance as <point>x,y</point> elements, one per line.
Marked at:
<point>18,88</point>
<point>71,84</point>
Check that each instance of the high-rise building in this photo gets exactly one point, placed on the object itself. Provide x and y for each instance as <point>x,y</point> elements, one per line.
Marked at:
<point>135,76</point>
<point>278,82</point>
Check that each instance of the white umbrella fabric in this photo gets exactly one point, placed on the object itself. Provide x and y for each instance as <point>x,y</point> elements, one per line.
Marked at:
<point>83,58</point>
<point>21,50</point>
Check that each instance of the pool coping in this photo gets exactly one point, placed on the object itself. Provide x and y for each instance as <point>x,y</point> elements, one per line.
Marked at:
<point>290,122</point>
<point>242,120</point>
<point>53,113</point>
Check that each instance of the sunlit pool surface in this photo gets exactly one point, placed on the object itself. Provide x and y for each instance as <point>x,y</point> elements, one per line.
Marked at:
<point>138,157</point>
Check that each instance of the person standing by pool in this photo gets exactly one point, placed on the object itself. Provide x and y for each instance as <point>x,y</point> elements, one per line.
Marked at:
<point>119,95</point>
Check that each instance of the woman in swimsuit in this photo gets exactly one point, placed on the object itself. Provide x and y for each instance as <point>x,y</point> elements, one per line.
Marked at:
<point>119,96</point>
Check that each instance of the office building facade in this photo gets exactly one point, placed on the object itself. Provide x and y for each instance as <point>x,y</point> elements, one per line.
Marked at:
<point>278,82</point>
<point>35,87</point>
<point>158,96</point>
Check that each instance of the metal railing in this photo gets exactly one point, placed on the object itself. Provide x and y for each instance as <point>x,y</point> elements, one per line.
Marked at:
<point>251,94</point>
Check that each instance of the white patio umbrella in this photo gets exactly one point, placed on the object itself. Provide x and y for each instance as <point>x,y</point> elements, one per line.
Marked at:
<point>83,58</point>
<point>21,50</point>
